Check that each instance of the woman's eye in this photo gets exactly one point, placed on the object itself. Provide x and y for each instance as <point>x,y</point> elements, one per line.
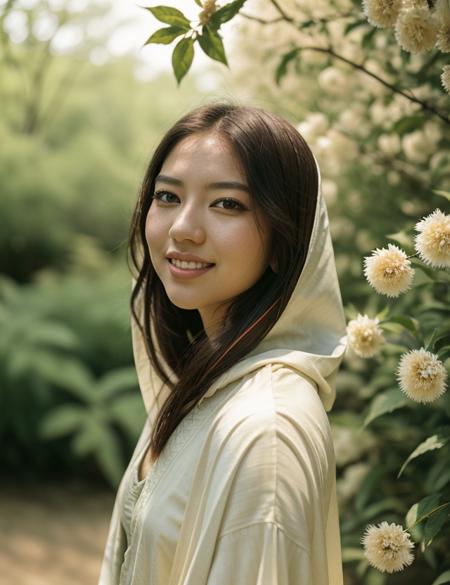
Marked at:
<point>231,204</point>
<point>159,195</point>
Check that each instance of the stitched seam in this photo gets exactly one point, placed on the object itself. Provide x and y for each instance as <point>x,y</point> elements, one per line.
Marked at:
<point>265,522</point>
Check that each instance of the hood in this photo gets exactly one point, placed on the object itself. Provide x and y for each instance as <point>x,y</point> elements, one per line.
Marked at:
<point>309,336</point>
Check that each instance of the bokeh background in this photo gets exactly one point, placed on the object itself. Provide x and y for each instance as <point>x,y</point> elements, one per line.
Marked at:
<point>83,104</point>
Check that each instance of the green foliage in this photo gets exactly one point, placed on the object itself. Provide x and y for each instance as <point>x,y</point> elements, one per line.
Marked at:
<point>165,35</point>
<point>171,16</point>
<point>211,43</point>
<point>182,57</point>
<point>226,13</point>
<point>208,36</point>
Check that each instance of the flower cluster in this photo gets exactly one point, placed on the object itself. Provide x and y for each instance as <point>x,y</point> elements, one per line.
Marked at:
<point>389,269</point>
<point>421,375</point>
<point>433,241</point>
<point>418,28</point>
<point>364,336</point>
<point>209,7</point>
<point>387,547</point>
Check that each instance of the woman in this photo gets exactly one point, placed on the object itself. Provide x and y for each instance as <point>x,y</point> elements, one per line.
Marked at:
<point>233,478</point>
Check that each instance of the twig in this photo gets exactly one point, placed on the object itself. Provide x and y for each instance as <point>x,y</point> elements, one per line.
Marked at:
<point>330,51</point>
<point>424,105</point>
<point>282,12</point>
<point>261,20</point>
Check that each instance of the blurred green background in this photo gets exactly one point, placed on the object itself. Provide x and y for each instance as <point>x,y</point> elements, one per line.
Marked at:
<point>78,122</point>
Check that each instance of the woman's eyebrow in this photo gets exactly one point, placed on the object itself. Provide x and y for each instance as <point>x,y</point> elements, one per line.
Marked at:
<point>216,185</point>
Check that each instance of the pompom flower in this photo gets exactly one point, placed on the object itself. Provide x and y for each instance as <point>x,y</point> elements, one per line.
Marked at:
<point>421,375</point>
<point>364,336</point>
<point>387,547</point>
<point>389,271</point>
<point>433,240</point>
<point>415,29</point>
<point>382,13</point>
<point>445,78</point>
<point>443,38</point>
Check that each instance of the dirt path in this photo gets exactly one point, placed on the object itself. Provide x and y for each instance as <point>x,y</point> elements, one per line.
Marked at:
<point>52,535</point>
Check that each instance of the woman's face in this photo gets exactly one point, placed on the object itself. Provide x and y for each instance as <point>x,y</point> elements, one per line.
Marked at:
<point>190,215</point>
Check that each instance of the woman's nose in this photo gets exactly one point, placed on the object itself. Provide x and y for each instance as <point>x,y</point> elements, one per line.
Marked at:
<point>187,225</point>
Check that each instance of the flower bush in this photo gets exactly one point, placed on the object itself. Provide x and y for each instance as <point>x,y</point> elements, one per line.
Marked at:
<point>421,374</point>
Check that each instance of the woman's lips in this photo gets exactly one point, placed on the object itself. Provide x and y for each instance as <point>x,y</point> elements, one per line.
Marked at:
<point>187,272</point>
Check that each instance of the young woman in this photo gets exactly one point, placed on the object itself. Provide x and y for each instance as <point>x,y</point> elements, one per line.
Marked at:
<point>238,332</point>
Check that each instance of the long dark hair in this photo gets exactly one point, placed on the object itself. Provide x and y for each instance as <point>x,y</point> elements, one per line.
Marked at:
<point>283,181</point>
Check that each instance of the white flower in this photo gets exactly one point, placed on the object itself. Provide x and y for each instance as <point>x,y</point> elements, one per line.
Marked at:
<point>433,241</point>
<point>419,145</point>
<point>442,11</point>
<point>350,444</point>
<point>381,13</point>
<point>315,125</point>
<point>421,375</point>
<point>416,30</point>
<point>364,336</point>
<point>389,271</point>
<point>350,483</point>
<point>333,81</point>
<point>389,144</point>
<point>445,78</point>
<point>387,547</point>
<point>443,38</point>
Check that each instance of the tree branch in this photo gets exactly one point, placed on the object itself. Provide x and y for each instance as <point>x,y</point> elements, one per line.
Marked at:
<point>282,12</point>
<point>329,50</point>
<point>424,105</point>
<point>261,20</point>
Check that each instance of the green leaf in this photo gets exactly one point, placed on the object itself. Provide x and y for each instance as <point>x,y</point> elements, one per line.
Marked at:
<point>61,421</point>
<point>435,523</point>
<point>444,353</point>
<point>282,66</point>
<point>199,3</point>
<point>402,238</point>
<point>225,13</point>
<point>367,38</point>
<point>384,403</point>
<point>355,24</point>
<point>407,322</point>
<point>421,510</point>
<point>182,58</point>
<point>438,476</point>
<point>129,412</point>
<point>383,313</point>
<point>432,340</point>
<point>350,554</point>
<point>114,382</point>
<point>69,374</point>
<point>445,194</point>
<point>212,45</point>
<point>437,441</point>
<point>407,124</point>
<point>164,36</point>
<point>108,455</point>
<point>171,16</point>
<point>443,578</point>
<point>53,335</point>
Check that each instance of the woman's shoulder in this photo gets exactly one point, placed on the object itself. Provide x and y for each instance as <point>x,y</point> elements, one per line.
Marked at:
<point>275,393</point>
<point>272,405</point>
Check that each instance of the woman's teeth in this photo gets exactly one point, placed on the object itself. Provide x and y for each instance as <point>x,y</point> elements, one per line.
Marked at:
<point>188,265</point>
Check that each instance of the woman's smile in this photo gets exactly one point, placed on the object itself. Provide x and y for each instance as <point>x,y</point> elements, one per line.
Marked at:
<point>202,210</point>
<point>187,270</point>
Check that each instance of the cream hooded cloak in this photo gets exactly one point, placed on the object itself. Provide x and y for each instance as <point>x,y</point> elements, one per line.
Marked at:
<point>244,492</point>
